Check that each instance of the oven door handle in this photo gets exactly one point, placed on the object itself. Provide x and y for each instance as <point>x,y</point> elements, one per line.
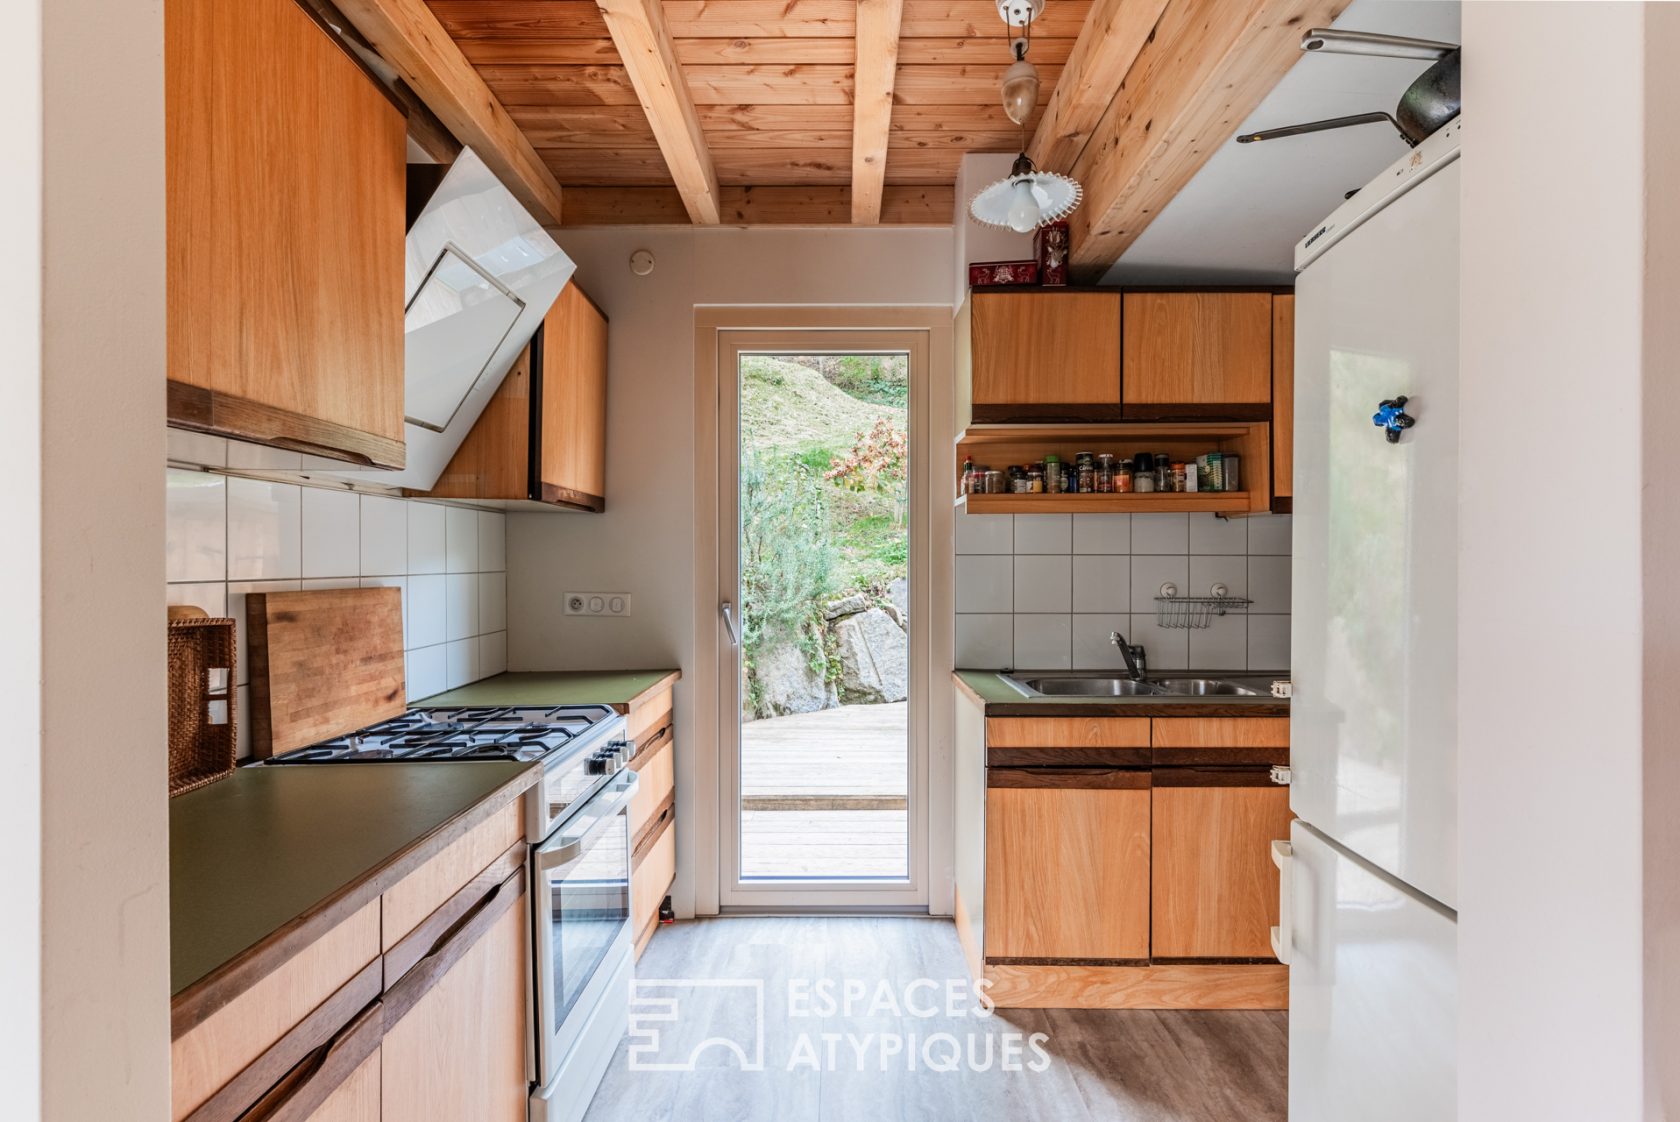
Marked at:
<point>601,809</point>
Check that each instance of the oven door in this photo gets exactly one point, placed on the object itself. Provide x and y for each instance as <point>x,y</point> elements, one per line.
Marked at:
<point>581,900</point>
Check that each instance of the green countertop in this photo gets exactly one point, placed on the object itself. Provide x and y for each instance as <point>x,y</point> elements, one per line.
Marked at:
<point>1003,700</point>
<point>558,687</point>
<point>255,852</point>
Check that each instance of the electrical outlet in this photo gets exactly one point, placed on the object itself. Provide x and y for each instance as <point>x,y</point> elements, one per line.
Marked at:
<point>597,603</point>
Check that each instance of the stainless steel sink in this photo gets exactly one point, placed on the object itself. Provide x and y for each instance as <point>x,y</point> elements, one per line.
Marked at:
<point>1204,687</point>
<point>1088,687</point>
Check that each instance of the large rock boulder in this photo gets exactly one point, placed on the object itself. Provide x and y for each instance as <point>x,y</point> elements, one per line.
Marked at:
<point>787,683</point>
<point>846,606</point>
<point>874,658</point>
<point>898,597</point>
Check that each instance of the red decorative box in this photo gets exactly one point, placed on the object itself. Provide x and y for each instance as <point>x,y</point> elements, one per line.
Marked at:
<point>1052,244</point>
<point>984,274</point>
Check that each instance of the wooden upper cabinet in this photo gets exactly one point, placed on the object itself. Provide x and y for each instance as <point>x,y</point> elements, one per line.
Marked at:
<point>543,435</point>
<point>1215,889</point>
<point>1191,355</point>
<point>1045,355</point>
<point>1283,397</point>
<point>285,206</point>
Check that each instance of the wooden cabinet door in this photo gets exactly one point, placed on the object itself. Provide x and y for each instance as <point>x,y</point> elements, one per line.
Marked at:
<point>285,204</point>
<point>1067,867</point>
<point>572,438</point>
<point>356,1099</point>
<point>1283,396</point>
<point>1034,352</point>
<point>1215,889</point>
<point>1188,351</point>
<point>458,1051</point>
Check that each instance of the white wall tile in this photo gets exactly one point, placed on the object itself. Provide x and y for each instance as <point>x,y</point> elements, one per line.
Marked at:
<point>196,536</point>
<point>1205,572</point>
<point>492,542</point>
<point>1149,573</point>
<point>1160,533</point>
<point>265,530</point>
<point>460,662</point>
<point>1164,648</point>
<point>242,723</point>
<point>1270,534</point>
<point>492,602</point>
<point>985,583</point>
<point>260,457</point>
<point>211,596</point>
<point>460,540</point>
<point>384,536</point>
<point>1102,583</point>
<point>392,582</point>
<point>1221,645</point>
<point>1091,648</point>
<point>317,583</point>
<point>332,533</point>
<point>1043,642</point>
<point>985,533</point>
<point>1043,533</point>
<point>1268,643</point>
<point>460,598</point>
<point>236,591</point>
<point>184,447</point>
<point>985,642</point>
<point>1268,584</point>
<point>427,672</point>
<point>425,538</point>
<point>492,654</point>
<point>1043,583</point>
<point>425,611</point>
<point>1210,533</point>
<point>1102,533</point>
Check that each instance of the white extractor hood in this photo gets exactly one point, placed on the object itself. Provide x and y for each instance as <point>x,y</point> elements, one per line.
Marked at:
<point>481,274</point>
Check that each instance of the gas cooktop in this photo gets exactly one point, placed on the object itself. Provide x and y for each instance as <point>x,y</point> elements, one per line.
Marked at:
<point>514,732</point>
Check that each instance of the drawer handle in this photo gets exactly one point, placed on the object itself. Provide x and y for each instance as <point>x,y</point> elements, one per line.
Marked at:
<point>451,946</point>
<point>1283,935</point>
<point>321,1072</point>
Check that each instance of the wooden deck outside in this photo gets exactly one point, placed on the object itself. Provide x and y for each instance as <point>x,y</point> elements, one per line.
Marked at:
<point>824,794</point>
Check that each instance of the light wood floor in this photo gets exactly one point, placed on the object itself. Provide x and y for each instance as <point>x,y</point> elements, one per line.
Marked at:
<point>1124,1066</point>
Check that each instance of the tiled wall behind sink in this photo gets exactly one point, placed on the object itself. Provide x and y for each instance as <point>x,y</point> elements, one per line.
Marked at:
<point>230,535</point>
<point>1044,591</point>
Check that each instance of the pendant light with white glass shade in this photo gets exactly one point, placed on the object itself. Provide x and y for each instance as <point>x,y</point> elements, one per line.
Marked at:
<point>1027,198</point>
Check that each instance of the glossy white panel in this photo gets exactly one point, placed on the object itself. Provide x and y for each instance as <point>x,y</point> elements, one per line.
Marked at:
<point>1160,533</point>
<point>211,596</point>
<point>1268,643</point>
<point>1372,993</point>
<point>492,654</point>
<point>1102,533</point>
<point>1211,534</point>
<point>1269,534</point>
<point>1374,716</point>
<point>425,537</point>
<point>1043,533</point>
<point>1149,573</point>
<point>331,533</point>
<point>315,584</point>
<point>492,602</point>
<point>384,536</point>
<point>460,615</point>
<point>1207,571</point>
<point>1164,648</point>
<point>1043,642</point>
<point>1091,648</point>
<point>265,530</point>
<point>1221,645</point>
<point>200,448</point>
<point>985,642</point>
<point>461,662</point>
<point>1102,583</point>
<point>1269,584</point>
<point>427,674</point>
<point>985,583</point>
<point>196,541</point>
<point>492,542</point>
<point>1043,583</point>
<point>460,540</point>
<point>985,533</point>
<point>425,611</point>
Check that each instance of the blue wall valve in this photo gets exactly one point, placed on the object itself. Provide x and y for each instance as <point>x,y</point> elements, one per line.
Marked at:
<point>1392,418</point>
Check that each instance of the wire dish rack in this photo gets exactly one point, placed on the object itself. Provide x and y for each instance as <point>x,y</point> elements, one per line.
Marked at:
<point>1193,613</point>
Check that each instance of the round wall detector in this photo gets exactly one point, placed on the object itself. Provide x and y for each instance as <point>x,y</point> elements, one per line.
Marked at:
<point>641,262</point>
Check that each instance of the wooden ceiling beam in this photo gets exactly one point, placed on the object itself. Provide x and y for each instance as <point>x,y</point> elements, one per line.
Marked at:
<point>872,103</point>
<point>813,205</point>
<point>409,37</point>
<point>1207,67</point>
<point>638,31</point>
<point>1114,32</point>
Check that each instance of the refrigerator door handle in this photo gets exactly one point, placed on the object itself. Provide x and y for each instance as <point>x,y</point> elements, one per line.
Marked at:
<point>1283,935</point>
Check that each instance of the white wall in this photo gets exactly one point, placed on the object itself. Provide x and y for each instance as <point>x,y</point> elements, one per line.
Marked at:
<point>1568,922</point>
<point>1044,591</point>
<point>975,242</point>
<point>643,544</point>
<point>229,536</point>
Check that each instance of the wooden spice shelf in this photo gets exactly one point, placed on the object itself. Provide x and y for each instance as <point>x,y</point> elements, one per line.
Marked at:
<point>1131,502</point>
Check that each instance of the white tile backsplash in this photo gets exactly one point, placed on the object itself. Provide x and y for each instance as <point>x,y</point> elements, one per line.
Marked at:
<point>230,535</point>
<point>1045,591</point>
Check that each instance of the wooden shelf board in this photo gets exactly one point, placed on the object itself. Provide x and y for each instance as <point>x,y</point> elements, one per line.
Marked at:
<point>1127,432</point>
<point>1229,502</point>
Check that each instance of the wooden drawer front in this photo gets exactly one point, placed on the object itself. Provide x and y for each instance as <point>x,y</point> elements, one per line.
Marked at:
<point>226,1042</point>
<point>1067,873</point>
<point>655,868</point>
<point>1221,732</point>
<point>649,715</point>
<point>658,774</point>
<point>1067,732</point>
<point>357,1098</point>
<point>408,902</point>
<point>1215,889</point>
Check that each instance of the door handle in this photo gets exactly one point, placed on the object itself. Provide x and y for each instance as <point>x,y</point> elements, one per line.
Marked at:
<point>729,624</point>
<point>1283,935</point>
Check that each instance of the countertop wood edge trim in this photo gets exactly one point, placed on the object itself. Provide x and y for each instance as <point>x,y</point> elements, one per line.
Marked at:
<point>670,679</point>
<point>429,932</point>
<point>1136,709</point>
<point>198,1001</point>
<point>969,692</point>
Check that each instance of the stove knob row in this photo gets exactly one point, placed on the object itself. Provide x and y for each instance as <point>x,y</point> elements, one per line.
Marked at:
<point>609,759</point>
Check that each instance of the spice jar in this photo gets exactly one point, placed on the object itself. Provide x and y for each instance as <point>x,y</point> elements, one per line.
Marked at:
<point>1143,474</point>
<point>995,482</point>
<point>1086,467</point>
<point>1053,474</point>
<point>1123,476</point>
<point>1178,476</point>
<point>1035,481</point>
<point>1163,472</point>
<point>1105,473</point>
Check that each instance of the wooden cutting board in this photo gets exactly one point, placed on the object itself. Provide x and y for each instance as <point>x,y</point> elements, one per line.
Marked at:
<point>323,663</point>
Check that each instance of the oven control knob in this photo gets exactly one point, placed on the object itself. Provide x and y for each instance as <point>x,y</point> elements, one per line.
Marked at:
<point>598,764</point>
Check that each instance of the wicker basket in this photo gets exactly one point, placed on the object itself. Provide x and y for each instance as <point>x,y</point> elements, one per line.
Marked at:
<point>202,739</point>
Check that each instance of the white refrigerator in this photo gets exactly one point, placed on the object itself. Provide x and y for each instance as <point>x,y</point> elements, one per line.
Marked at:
<point>1370,870</point>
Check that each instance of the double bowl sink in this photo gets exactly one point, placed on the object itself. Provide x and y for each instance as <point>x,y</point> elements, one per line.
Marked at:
<point>1070,685</point>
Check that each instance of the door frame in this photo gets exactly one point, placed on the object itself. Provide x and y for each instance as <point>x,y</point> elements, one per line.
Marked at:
<point>721,333</point>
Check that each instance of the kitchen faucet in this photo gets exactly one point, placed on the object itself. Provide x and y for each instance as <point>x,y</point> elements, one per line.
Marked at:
<point>1136,660</point>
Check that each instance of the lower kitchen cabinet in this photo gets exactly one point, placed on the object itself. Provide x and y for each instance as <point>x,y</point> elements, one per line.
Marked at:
<point>1067,864</point>
<point>357,1099</point>
<point>1214,889</point>
<point>651,727</point>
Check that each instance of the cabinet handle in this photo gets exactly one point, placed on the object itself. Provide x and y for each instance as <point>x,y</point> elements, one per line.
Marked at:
<point>1283,935</point>
<point>301,1090</point>
<point>424,974</point>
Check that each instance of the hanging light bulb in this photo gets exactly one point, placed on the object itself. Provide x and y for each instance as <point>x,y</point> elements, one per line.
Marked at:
<point>1020,86</point>
<point>1024,212</point>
